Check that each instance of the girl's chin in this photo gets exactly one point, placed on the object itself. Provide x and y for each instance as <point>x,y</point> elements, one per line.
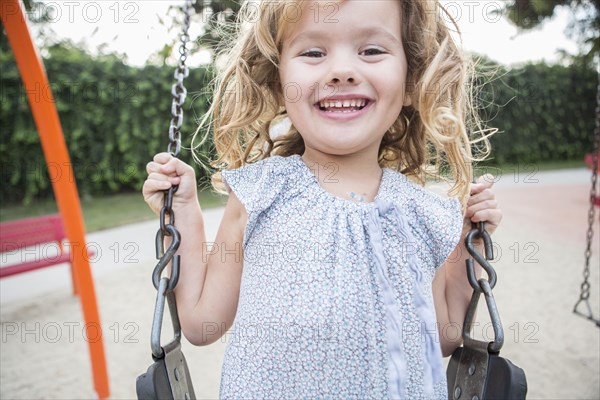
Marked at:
<point>337,145</point>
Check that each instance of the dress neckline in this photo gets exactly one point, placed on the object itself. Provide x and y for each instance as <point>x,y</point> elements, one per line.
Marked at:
<point>341,200</point>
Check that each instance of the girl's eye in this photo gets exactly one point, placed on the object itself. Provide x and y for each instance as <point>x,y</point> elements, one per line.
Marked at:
<point>372,51</point>
<point>313,53</point>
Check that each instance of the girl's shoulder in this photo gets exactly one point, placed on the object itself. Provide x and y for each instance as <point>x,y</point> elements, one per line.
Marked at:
<point>258,184</point>
<point>258,175</point>
<point>267,167</point>
<point>436,218</point>
<point>421,199</point>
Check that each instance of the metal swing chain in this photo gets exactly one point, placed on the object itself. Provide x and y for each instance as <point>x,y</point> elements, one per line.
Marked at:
<point>166,285</point>
<point>169,377</point>
<point>178,90</point>
<point>482,285</point>
<point>585,285</point>
<point>468,371</point>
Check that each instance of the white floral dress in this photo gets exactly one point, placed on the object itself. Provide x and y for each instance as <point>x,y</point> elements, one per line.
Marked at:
<point>335,298</point>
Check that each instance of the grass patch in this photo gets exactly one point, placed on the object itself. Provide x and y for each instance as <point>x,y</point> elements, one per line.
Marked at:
<point>104,212</point>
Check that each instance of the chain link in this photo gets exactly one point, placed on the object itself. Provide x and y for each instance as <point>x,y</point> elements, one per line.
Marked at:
<point>179,93</point>
<point>173,364</point>
<point>585,285</point>
<point>167,215</point>
<point>478,233</point>
<point>178,90</point>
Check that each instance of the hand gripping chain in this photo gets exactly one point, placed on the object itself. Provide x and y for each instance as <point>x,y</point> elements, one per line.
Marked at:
<point>168,377</point>
<point>476,371</point>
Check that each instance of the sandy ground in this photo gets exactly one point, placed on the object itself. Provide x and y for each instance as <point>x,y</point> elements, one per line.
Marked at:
<point>539,258</point>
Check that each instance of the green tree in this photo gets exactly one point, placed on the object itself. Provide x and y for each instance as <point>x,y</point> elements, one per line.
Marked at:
<point>585,26</point>
<point>37,13</point>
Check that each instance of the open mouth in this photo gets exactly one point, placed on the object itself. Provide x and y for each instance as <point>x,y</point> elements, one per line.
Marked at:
<point>344,106</point>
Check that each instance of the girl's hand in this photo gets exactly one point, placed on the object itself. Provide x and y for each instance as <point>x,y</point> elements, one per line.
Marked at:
<point>482,205</point>
<point>165,171</point>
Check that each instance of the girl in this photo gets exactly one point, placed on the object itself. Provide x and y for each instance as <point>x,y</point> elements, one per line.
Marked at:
<point>341,273</point>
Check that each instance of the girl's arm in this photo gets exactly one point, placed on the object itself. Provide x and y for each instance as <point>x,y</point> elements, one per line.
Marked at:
<point>209,281</point>
<point>451,289</point>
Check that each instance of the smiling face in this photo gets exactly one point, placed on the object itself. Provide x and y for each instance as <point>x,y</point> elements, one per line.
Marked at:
<point>343,75</point>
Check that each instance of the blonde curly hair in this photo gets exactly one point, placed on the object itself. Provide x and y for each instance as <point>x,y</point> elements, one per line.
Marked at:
<point>428,140</point>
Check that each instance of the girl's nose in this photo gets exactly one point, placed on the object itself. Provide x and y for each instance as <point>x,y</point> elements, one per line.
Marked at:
<point>342,71</point>
<point>349,79</point>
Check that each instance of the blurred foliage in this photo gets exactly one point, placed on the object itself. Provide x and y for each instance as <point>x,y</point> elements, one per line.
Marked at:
<point>36,13</point>
<point>585,26</point>
<point>526,14</point>
<point>39,13</point>
<point>543,112</point>
<point>215,17</point>
<point>114,118</point>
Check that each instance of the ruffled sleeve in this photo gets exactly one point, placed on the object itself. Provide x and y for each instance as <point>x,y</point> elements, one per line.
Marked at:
<point>257,186</point>
<point>435,221</point>
<point>438,221</point>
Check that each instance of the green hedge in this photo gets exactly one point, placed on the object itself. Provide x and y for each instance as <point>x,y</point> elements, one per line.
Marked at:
<point>116,117</point>
<point>543,113</point>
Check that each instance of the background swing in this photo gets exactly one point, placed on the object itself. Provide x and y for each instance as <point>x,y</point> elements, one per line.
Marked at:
<point>582,307</point>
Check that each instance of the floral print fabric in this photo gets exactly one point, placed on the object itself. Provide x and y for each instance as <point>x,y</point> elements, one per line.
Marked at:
<point>335,298</point>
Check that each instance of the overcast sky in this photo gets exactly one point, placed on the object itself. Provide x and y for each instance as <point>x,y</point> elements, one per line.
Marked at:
<point>133,28</point>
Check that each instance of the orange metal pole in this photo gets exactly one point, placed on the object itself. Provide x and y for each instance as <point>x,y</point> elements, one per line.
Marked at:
<point>48,125</point>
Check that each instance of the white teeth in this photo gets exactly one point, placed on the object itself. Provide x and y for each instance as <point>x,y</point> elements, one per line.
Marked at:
<point>342,103</point>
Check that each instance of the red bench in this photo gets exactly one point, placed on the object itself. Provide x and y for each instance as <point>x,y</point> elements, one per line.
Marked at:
<point>15,235</point>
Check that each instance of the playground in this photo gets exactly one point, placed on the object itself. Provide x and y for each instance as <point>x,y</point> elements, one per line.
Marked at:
<point>540,255</point>
<point>90,324</point>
